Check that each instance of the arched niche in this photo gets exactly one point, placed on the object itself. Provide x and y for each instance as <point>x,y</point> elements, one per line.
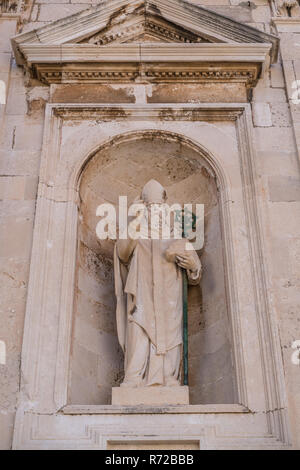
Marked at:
<point>121,167</point>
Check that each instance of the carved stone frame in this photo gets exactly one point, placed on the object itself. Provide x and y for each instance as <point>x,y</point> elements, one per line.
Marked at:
<point>44,420</point>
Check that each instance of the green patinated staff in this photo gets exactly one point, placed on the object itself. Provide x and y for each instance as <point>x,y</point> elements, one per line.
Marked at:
<point>185,327</point>
<point>185,338</point>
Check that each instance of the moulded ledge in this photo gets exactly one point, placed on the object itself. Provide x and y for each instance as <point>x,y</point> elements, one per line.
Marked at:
<point>148,409</point>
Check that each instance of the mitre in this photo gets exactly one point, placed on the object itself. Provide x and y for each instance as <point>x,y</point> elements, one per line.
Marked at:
<point>154,192</point>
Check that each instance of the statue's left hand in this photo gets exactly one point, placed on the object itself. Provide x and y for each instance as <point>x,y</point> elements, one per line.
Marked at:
<point>187,261</point>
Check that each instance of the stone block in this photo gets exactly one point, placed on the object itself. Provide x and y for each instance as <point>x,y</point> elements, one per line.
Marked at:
<point>281,115</point>
<point>290,46</point>
<point>290,78</point>
<point>92,93</point>
<point>275,139</point>
<point>254,3</point>
<point>277,78</point>
<point>295,111</point>
<point>243,14</point>
<point>6,429</point>
<point>150,396</point>
<point>19,162</point>
<point>297,133</point>
<point>17,208</point>
<point>16,100</point>
<point>280,262</point>
<point>286,25</point>
<point>14,273</point>
<point>84,390</point>
<point>22,133</point>
<point>261,14</point>
<point>35,25</point>
<point>52,12</point>
<point>284,188</point>
<point>284,219</point>
<point>5,59</point>
<point>4,78</point>
<point>58,1</point>
<point>85,361</point>
<point>34,13</point>
<point>210,2</point>
<point>198,93</point>
<point>16,71</point>
<point>269,95</point>
<point>261,115</point>
<point>7,30</point>
<point>18,187</point>
<point>87,2</point>
<point>260,26</point>
<point>15,236</point>
<point>296,64</point>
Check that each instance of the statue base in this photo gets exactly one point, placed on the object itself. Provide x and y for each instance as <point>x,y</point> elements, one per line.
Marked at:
<point>152,395</point>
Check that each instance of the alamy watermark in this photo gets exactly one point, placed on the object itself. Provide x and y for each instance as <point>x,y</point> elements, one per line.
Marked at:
<point>153,221</point>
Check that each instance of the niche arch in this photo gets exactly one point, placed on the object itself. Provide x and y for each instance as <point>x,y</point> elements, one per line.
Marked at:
<point>96,359</point>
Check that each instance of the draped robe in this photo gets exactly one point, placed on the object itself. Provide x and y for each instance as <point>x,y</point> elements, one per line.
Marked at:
<point>149,292</point>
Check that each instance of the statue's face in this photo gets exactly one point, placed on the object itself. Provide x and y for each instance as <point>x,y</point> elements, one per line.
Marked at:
<point>154,193</point>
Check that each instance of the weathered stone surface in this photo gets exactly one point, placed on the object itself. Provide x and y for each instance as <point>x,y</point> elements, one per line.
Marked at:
<point>284,189</point>
<point>92,93</point>
<point>282,161</point>
<point>7,30</point>
<point>15,236</point>
<point>295,112</point>
<point>290,46</point>
<point>269,95</point>
<point>281,115</point>
<point>52,12</point>
<point>274,139</point>
<point>296,65</point>
<point>205,93</point>
<point>243,14</point>
<point>290,79</point>
<point>210,2</point>
<point>18,187</point>
<point>261,115</point>
<point>261,14</point>
<point>16,101</point>
<point>107,176</point>
<point>6,428</point>
<point>151,445</point>
<point>22,133</point>
<point>277,78</point>
<point>13,162</point>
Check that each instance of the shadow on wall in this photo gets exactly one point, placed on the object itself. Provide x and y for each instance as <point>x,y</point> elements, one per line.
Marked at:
<point>122,168</point>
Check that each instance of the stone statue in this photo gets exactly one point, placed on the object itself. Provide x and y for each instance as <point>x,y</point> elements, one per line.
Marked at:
<point>148,286</point>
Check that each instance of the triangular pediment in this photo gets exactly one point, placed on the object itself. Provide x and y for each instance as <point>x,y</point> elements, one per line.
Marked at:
<point>145,41</point>
<point>140,27</point>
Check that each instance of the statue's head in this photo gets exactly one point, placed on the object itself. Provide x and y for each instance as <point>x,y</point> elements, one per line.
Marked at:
<point>154,193</point>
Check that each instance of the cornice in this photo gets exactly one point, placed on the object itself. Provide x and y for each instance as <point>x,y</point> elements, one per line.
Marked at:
<point>184,112</point>
<point>287,24</point>
<point>247,75</point>
<point>145,52</point>
<point>193,18</point>
<point>147,62</point>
